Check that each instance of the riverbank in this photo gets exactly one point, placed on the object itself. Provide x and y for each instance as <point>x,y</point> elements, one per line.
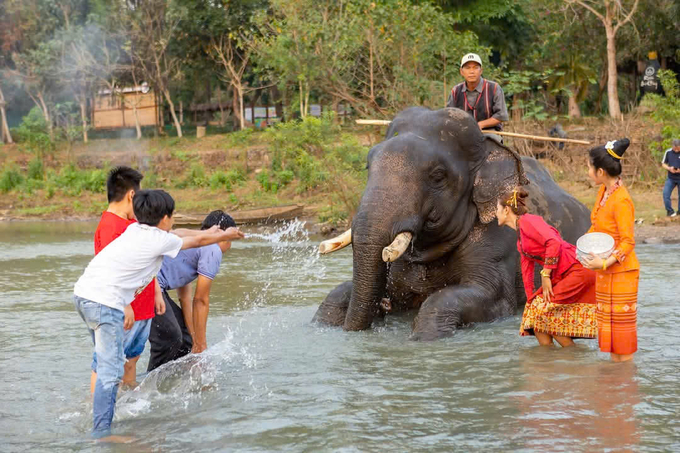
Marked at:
<point>315,164</point>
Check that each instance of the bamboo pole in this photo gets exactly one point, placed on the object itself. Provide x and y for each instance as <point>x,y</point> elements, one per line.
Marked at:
<point>506,134</point>
<point>539,138</point>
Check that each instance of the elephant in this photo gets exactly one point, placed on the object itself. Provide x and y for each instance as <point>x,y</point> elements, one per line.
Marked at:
<point>425,235</point>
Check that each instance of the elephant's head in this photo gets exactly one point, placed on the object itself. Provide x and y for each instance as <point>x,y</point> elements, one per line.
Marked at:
<point>433,177</point>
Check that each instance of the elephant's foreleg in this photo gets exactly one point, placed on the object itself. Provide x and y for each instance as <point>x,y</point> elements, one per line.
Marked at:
<point>333,309</point>
<point>452,307</point>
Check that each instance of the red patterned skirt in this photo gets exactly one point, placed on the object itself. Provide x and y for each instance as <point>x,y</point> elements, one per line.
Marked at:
<point>616,296</point>
<point>572,312</point>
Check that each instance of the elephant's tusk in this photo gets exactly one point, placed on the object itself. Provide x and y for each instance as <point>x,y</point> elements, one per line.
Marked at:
<point>397,248</point>
<point>335,244</point>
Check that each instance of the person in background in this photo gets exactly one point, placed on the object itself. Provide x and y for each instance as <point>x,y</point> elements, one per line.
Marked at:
<point>183,330</point>
<point>671,163</point>
<point>616,290</point>
<point>563,307</point>
<point>482,99</point>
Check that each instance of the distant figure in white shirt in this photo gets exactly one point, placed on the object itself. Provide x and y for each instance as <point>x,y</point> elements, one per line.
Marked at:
<point>113,278</point>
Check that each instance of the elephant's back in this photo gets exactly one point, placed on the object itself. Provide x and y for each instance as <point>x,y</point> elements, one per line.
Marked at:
<point>554,204</point>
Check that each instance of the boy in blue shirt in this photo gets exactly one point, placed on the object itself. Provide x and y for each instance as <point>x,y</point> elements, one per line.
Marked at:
<point>180,331</point>
<point>671,162</point>
<point>112,280</point>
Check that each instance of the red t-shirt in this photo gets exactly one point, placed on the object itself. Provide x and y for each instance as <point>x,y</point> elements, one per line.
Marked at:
<point>110,227</point>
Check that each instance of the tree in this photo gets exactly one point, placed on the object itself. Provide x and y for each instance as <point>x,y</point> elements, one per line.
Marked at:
<point>5,135</point>
<point>35,73</point>
<point>234,59</point>
<point>613,16</point>
<point>573,76</point>
<point>153,24</point>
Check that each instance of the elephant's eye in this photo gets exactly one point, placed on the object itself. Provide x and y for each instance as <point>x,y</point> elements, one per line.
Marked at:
<point>438,175</point>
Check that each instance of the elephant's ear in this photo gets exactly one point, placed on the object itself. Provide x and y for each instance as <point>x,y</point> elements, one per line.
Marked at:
<point>500,172</point>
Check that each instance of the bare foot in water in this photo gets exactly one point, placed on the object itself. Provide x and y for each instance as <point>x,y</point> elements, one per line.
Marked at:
<point>117,439</point>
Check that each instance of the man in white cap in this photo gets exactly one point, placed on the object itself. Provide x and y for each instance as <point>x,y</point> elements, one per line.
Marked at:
<point>483,99</point>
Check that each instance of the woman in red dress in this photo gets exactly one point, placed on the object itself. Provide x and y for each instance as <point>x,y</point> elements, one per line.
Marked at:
<point>564,306</point>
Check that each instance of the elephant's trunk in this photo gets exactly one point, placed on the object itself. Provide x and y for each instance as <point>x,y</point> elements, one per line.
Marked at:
<point>371,232</point>
<point>369,280</point>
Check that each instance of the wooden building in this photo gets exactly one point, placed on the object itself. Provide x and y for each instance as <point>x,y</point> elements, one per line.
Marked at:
<point>116,110</point>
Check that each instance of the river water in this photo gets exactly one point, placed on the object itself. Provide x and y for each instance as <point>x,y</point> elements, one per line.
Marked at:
<point>271,381</point>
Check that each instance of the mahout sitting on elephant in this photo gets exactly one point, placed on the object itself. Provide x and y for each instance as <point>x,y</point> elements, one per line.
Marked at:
<point>424,236</point>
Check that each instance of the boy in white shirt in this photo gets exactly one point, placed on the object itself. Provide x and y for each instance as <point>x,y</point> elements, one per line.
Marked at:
<point>115,275</point>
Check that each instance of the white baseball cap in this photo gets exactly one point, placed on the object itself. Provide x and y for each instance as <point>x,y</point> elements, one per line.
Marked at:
<point>470,57</point>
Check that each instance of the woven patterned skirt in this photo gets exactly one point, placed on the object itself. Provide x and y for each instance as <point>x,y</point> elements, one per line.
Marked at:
<point>571,312</point>
<point>616,296</point>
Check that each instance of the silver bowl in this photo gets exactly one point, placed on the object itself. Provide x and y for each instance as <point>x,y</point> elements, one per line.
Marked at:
<point>599,244</point>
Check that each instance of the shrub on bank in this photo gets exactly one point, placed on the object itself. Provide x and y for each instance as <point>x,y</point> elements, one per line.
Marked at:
<point>665,110</point>
<point>10,178</point>
<point>226,180</point>
<point>70,180</point>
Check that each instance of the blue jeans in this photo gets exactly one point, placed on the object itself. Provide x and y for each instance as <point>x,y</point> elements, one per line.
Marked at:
<point>133,342</point>
<point>106,328</point>
<point>667,191</point>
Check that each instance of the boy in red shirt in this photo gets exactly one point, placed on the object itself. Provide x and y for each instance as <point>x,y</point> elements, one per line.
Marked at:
<point>121,186</point>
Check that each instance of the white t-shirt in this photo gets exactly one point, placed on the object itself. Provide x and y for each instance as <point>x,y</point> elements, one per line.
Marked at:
<point>126,266</point>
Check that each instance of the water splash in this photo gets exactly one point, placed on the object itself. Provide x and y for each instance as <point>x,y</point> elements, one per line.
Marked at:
<point>294,230</point>
<point>289,261</point>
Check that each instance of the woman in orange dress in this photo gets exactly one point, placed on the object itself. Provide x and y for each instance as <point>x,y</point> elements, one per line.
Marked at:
<point>563,307</point>
<point>617,277</point>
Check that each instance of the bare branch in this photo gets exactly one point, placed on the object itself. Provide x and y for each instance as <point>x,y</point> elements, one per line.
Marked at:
<point>628,17</point>
<point>588,7</point>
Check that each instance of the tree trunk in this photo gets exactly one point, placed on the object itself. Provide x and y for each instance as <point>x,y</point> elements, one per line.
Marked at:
<point>181,112</point>
<point>46,114</point>
<point>172,112</point>
<point>234,106</point>
<point>161,115</point>
<point>219,104</point>
<point>83,115</point>
<point>574,110</point>
<point>239,88</point>
<point>612,88</point>
<point>278,102</point>
<point>334,107</point>
<point>302,96</point>
<point>137,126</point>
<point>516,111</point>
<point>6,136</point>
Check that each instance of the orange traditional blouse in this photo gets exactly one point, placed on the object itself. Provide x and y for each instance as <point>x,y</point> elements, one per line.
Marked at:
<point>616,217</point>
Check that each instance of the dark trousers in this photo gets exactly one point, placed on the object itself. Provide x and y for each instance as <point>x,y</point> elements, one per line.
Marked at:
<point>169,337</point>
<point>667,192</point>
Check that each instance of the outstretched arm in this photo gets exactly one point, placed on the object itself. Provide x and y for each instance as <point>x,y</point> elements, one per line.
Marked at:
<point>207,238</point>
<point>188,232</point>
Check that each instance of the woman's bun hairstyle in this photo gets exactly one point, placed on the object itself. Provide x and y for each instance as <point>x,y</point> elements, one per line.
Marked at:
<point>515,200</point>
<point>608,157</point>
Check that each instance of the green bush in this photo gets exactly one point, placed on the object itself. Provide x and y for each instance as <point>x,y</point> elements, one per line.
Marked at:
<point>34,133</point>
<point>272,182</point>
<point>239,138</point>
<point>36,170</point>
<point>222,180</point>
<point>73,181</point>
<point>10,178</point>
<point>267,184</point>
<point>194,177</point>
<point>665,110</point>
